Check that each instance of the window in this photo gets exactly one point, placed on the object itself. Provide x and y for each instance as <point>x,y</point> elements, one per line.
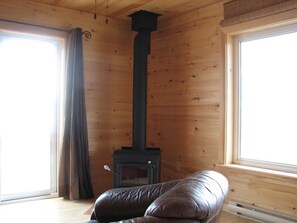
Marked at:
<point>265,99</point>
<point>30,74</point>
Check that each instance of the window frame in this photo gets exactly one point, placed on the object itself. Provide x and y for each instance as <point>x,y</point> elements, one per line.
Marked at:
<point>233,100</point>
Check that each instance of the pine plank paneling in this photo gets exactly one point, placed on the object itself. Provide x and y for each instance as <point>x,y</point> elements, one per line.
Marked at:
<point>270,191</point>
<point>184,93</point>
<point>186,110</point>
<point>123,8</point>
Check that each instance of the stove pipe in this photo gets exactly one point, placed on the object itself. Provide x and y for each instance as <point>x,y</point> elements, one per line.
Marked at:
<point>144,23</point>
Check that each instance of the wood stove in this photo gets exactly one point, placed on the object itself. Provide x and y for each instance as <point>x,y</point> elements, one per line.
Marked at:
<point>138,165</point>
<point>134,168</point>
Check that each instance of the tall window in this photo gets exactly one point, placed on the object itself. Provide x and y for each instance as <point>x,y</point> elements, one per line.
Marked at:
<point>266,99</point>
<point>30,68</point>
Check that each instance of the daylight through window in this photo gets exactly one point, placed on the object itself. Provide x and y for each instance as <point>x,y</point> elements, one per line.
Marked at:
<point>266,99</point>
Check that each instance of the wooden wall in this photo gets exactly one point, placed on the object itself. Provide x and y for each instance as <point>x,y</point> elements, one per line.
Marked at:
<point>108,77</point>
<point>185,95</point>
<point>185,98</point>
<point>186,110</point>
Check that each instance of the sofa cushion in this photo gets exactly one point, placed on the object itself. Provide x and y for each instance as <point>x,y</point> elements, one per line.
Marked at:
<point>123,203</point>
<point>193,197</point>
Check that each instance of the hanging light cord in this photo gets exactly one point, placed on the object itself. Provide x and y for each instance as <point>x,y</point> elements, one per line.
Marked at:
<point>95,11</point>
<point>106,17</point>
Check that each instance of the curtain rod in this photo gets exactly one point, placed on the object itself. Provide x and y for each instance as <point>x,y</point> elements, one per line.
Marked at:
<point>87,34</point>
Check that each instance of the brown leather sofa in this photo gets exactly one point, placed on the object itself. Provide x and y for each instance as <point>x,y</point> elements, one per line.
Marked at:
<point>197,198</point>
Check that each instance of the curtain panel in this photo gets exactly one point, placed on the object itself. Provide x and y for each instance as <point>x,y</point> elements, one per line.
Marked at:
<point>74,173</point>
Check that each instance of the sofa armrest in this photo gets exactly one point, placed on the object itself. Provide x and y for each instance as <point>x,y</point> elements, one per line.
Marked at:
<point>124,203</point>
<point>199,196</point>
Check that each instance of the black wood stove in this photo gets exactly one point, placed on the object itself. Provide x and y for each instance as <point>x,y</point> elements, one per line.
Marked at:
<point>138,165</point>
<point>134,168</point>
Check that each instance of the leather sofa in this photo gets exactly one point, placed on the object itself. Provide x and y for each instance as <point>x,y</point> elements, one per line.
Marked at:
<point>196,198</point>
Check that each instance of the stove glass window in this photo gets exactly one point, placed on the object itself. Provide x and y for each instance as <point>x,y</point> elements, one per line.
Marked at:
<point>134,174</point>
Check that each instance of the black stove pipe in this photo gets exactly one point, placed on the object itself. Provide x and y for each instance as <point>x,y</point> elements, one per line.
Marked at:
<point>144,23</point>
<point>141,50</point>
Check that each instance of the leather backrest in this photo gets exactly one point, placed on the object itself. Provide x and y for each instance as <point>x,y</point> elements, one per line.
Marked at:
<point>198,196</point>
<point>123,203</point>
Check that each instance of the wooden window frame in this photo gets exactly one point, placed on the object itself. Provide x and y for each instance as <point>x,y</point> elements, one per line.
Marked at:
<point>232,95</point>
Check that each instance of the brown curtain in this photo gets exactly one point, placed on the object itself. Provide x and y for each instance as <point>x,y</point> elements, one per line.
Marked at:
<point>74,173</point>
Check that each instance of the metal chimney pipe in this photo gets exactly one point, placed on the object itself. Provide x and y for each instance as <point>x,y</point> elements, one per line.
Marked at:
<point>144,23</point>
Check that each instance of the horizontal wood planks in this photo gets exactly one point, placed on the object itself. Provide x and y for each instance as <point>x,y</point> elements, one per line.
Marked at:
<point>185,92</point>
<point>122,9</point>
<point>186,110</point>
<point>270,191</point>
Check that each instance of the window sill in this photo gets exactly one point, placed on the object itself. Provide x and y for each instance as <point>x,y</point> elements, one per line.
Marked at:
<point>258,170</point>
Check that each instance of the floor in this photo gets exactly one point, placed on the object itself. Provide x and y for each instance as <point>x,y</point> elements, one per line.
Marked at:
<point>54,210</point>
<point>231,218</point>
<point>58,210</point>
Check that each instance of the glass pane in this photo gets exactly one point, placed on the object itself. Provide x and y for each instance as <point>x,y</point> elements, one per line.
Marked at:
<point>268,120</point>
<point>135,175</point>
<point>28,69</point>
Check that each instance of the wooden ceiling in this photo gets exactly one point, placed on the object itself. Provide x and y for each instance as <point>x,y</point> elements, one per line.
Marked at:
<point>122,8</point>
